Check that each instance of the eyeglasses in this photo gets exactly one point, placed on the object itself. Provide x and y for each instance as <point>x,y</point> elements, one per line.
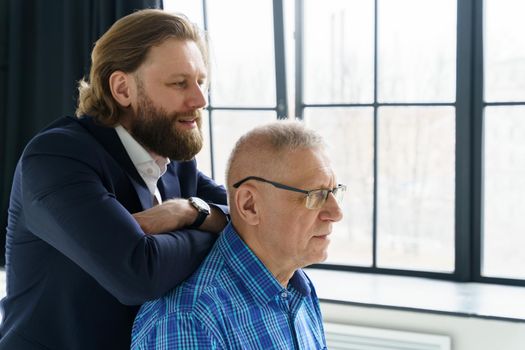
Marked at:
<point>315,199</point>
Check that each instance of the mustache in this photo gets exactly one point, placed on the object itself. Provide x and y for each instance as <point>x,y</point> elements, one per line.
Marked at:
<point>196,113</point>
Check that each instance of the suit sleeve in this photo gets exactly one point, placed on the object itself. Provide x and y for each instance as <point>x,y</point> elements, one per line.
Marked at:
<point>67,206</point>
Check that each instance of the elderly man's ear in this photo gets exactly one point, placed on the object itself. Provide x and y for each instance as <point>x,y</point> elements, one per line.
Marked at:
<point>245,201</point>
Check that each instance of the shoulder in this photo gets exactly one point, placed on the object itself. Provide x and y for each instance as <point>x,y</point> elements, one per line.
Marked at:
<point>203,292</point>
<point>65,135</point>
<point>181,331</point>
<point>190,312</point>
<point>71,143</point>
<point>204,288</point>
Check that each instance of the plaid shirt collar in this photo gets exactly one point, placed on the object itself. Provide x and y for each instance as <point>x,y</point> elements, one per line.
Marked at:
<point>261,283</point>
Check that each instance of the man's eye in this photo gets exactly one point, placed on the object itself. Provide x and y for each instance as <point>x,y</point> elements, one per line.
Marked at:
<point>179,84</point>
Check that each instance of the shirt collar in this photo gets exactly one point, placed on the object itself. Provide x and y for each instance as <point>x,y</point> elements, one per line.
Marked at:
<point>260,281</point>
<point>149,165</point>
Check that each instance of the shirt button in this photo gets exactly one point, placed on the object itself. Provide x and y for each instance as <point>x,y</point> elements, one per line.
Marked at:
<point>284,295</point>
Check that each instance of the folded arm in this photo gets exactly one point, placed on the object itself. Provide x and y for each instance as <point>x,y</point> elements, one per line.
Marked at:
<point>68,205</point>
<point>175,214</point>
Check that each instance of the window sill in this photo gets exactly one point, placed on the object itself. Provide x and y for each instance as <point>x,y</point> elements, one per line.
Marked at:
<point>420,294</point>
<point>480,300</point>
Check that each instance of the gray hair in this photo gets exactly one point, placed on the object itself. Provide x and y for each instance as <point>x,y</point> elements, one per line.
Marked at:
<point>275,137</point>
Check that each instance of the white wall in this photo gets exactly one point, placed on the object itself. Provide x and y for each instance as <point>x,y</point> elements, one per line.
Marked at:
<point>467,333</point>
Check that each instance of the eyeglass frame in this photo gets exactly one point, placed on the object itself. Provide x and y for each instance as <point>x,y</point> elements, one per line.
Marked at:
<point>293,189</point>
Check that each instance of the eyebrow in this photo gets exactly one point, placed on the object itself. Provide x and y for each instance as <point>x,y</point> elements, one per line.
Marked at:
<point>315,183</point>
<point>185,75</point>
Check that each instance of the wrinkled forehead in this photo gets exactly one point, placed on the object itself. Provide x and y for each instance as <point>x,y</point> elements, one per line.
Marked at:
<point>305,165</point>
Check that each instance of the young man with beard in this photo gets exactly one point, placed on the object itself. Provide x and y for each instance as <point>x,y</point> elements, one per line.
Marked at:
<point>87,243</point>
<point>250,292</point>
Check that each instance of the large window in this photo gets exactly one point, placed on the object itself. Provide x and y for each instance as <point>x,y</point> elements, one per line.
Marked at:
<point>385,74</point>
<point>422,103</point>
<point>244,89</point>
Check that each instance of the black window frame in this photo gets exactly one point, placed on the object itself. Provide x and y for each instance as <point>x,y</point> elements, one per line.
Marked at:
<point>469,107</point>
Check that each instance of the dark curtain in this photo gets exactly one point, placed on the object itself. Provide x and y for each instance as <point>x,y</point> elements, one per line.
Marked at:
<point>45,49</point>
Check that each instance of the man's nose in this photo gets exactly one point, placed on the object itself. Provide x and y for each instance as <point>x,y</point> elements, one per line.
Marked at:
<point>196,98</point>
<point>331,209</point>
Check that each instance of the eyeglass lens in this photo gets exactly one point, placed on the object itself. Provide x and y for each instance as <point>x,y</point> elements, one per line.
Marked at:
<point>316,199</point>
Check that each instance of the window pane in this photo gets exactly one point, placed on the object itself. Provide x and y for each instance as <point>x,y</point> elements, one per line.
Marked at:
<point>204,156</point>
<point>416,180</point>
<point>417,50</point>
<point>191,8</point>
<point>242,53</point>
<point>504,192</point>
<point>339,51</point>
<point>504,50</point>
<point>228,126</point>
<point>349,133</point>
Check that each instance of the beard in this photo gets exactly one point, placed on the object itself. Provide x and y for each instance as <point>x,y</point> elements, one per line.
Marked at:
<point>156,130</point>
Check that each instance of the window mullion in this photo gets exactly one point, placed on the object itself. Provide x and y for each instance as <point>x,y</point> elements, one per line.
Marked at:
<point>299,60</point>
<point>477,140</point>
<point>465,216</point>
<point>280,60</point>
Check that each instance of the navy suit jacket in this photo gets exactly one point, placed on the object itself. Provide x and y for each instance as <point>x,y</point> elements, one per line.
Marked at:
<point>78,265</point>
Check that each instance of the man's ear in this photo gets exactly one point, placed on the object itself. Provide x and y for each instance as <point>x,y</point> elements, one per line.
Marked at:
<point>120,85</point>
<point>246,204</point>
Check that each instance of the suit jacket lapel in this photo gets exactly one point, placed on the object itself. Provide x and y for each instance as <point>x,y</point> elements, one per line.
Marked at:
<point>109,139</point>
<point>169,185</point>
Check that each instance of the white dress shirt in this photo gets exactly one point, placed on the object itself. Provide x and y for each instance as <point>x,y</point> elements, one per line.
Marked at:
<point>149,165</point>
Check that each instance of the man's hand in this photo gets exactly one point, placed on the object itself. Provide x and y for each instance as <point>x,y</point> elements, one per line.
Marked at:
<point>175,214</point>
<point>171,215</point>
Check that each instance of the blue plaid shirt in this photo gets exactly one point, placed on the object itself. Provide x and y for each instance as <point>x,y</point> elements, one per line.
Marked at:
<point>232,302</point>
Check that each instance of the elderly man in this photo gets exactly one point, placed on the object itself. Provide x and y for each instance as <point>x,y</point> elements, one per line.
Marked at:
<point>250,292</point>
